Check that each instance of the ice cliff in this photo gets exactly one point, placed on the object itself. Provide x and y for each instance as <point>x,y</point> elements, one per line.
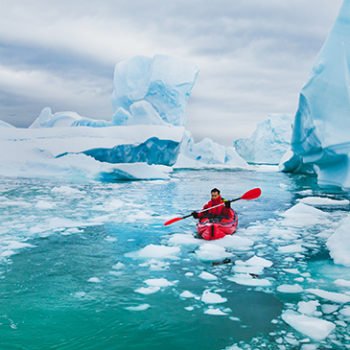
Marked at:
<point>321,139</point>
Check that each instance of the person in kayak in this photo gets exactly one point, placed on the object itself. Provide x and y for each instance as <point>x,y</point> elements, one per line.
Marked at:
<point>221,211</point>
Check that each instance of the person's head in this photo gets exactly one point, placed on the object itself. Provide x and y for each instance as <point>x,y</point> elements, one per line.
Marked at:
<point>215,193</point>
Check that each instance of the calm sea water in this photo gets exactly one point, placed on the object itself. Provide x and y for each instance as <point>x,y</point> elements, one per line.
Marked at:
<point>67,280</point>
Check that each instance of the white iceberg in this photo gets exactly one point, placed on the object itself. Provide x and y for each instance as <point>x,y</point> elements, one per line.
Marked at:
<point>269,142</point>
<point>207,154</point>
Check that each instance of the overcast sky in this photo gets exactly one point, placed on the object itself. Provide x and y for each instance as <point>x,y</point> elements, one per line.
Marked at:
<point>254,56</point>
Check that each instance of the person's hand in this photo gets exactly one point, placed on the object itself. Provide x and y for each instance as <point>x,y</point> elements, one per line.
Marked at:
<point>228,204</point>
<point>194,214</point>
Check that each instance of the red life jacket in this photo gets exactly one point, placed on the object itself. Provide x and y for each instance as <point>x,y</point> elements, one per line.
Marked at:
<point>221,210</point>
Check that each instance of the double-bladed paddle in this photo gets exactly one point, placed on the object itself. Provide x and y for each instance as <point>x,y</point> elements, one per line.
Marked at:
<point>252,194</point>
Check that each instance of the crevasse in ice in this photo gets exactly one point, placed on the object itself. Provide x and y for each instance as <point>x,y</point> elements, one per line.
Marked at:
<point>321,138</point>
<point>269,142</point>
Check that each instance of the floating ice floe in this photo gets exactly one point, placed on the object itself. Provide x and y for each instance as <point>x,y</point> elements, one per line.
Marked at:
<point>187,294</point>
<point>159,282</point>
<point>212,298</point>
<point>343,283</point>
<point>308,307</point>
<point>255,261</point>
<point>339,243</point>
<point>215,312</point>
<point>147,290</point>
<point>315,328</point>
<point>329,308</point>
<point>183,239</point>
<point>156,252</point>
<point>345,311</point>
<point>249,280</point>
<point>324,201</point>
<point>211,252</point>
<point>207,276</point>
<point>289,288</point>
<point>301,215</point>
<point>292,248</point>
<point>235,242</point>
<point>44,205</point>
<point>332,296</point>
<point>94,280</point>
<point>141,307</point>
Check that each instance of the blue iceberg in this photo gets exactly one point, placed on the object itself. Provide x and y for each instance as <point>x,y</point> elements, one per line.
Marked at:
<point>152,90</point>
<point>321,139</point>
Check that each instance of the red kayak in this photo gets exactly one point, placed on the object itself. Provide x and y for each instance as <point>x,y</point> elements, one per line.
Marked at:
<point>217,227</point>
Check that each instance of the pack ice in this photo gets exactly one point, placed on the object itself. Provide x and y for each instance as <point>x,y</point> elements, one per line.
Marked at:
<point>321,139</point>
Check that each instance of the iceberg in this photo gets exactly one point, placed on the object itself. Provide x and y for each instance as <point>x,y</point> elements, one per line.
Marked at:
<point>113,153</point>
<point>207,154</point>
<point>5,125</point>
<point>321,140</point>
<point>269,142</point>
<point>152,90</point>
<point>140,142</point>
<point>145,139</point>
<point>47,119</point>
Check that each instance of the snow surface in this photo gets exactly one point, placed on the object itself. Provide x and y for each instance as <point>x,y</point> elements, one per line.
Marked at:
<point>321,139</point>
<point>269,142</point>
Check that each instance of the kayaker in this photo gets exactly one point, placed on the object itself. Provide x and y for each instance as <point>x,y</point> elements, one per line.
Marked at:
<point>222,210</point>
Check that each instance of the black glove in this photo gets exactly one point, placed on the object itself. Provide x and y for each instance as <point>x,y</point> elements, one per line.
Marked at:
<point>228,204</point>
<point>194,214</point>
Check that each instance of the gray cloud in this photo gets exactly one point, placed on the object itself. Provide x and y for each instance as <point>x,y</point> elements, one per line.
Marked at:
<point>254,56</point>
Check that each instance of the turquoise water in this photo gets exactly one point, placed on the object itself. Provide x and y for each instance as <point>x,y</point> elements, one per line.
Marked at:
<point>68,281</point>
